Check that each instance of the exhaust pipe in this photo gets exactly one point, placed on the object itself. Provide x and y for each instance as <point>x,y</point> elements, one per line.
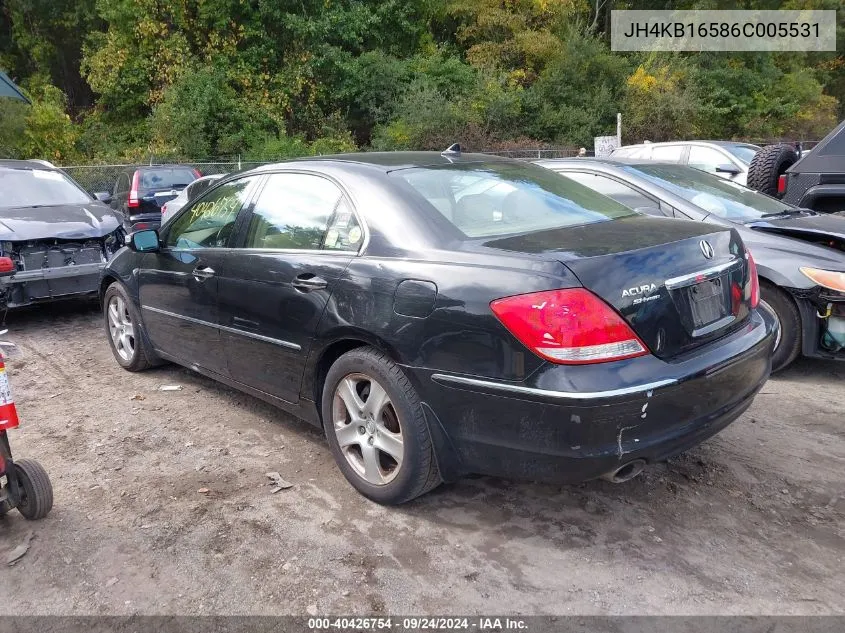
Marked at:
<point>625,472</point>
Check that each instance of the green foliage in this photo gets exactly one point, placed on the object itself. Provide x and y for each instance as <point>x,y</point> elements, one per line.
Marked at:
<point>117,80</point>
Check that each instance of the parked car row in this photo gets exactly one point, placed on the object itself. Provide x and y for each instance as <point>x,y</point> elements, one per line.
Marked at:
<point>444,314</point>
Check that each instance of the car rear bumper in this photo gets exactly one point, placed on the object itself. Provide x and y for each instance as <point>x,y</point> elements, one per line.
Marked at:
<point>573,423</point>
<point>143,221</point>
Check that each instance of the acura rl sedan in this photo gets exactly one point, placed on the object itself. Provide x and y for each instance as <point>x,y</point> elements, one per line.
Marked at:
<point>445,314</point>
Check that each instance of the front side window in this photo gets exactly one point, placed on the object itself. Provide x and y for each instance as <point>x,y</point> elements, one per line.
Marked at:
<point>38,188</point>
<point>501,198</point>
<point>293,212</point>
<point>209,222</point>
<point>722,198</point>
<point>706,158</point>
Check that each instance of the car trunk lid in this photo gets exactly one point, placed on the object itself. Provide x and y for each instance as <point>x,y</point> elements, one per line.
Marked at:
<point>678,284</point>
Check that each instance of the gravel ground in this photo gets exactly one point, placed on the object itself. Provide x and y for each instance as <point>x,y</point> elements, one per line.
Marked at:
<point>162,506</point>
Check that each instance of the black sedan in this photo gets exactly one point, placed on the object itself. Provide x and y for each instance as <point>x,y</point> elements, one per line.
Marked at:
<point>800,254</point>
<point>447,314</point>
<point>55,237</point>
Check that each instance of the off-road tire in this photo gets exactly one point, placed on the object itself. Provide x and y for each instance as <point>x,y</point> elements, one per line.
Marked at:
<point>36,489</point>
<point>418,473</point>
<point>789,318</point>
<point>767,166</point>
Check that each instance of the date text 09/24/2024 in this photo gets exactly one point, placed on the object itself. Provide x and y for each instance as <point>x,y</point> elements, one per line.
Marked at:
<point>418,623</point>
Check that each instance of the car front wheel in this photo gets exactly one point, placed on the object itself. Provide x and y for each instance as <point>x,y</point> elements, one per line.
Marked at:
<point>124,329</point>
<point>784,311</point>
<point>376,428</point>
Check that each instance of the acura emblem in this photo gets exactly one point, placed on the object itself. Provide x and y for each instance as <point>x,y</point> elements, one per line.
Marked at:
<point>706,249</point>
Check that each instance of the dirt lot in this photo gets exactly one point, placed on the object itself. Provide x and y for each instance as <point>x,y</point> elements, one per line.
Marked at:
<point>751,522</point>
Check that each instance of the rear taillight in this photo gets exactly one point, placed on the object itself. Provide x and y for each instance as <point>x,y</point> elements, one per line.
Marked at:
<point>753,281</point>
<point>197,173</point>
<point>569,326</point>
<point>164,208</point>
<point>781,184</point>
<point>133,192</point>
<point>7,265</point>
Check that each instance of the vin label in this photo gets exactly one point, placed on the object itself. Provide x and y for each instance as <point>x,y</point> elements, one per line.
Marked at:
<point>729,31</point>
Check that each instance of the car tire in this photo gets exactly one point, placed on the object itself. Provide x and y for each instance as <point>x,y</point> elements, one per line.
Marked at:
<point>124,330</point>
<point>35,488</point>
<point>785,311</point>
<point>767,166</point>
<point>363,434</point>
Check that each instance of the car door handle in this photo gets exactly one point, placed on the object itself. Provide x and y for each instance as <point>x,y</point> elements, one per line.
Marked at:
<point>308,282</point>
<point>201,273</point>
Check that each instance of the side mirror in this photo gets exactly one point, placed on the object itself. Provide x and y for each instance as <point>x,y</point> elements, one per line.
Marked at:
<point>103,196</point>
<point>143,241</point>
<point>727,168</point>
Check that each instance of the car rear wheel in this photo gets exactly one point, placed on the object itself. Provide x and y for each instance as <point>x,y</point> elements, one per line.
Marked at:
<point>785,312</point>
<point>376,428</point>
<point>124,329</point>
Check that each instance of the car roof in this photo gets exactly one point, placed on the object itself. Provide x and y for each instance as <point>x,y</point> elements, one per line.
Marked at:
<point>25,164</point>
<point>691,142</point>
<point>391,161</point>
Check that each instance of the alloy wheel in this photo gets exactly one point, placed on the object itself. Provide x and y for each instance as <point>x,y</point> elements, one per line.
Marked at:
<point>121,328</point>
<point>367,428</point>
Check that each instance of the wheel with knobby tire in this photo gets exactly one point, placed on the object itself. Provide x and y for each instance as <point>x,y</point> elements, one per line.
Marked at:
<point>36,491</point>
<point>124,329</point>
<point>767,166</point>
<point>376,428</point>
<point>784,310</point>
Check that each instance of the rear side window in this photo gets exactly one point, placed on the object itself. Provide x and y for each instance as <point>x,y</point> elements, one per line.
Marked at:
<point>166,178</point>
<point>667,153</point>
<point>484,200</point>
<point>302,212</point>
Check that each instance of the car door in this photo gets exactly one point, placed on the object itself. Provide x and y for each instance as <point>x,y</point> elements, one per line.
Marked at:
<point>295,242</point>
<point>179,283</point>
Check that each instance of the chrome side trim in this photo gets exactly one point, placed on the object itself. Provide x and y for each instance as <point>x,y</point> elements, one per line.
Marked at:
<point>507,389</point>
<point>701,275</point>
<point>223,328</point>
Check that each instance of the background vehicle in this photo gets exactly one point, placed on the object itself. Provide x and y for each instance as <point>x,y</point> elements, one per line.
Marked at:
<point>192,191</point>
<point>800,255</point>
<point>54,237</point>
<point>140,191</point>
<point>727,159</point>
<point>816,181</point>
<point>446,314</point>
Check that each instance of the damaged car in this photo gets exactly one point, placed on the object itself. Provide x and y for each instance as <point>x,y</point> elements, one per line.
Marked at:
<point>800,253</point>
<point>54,235</point>
<point>439,315</point>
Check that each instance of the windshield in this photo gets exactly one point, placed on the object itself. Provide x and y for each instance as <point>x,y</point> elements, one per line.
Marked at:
<point>166,178</point>
<point>715,195</point>
<point>38,188</point>
<point>743,152</point>
<point>483,200</point>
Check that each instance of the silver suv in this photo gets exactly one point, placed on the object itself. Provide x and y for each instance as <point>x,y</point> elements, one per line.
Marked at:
<point>727,159</point>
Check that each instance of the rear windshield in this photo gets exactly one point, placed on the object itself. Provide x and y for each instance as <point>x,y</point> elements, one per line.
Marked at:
<point>38,188</point>
<point>488,199</point>
<point>715,195</point>
<point>166,178</point>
